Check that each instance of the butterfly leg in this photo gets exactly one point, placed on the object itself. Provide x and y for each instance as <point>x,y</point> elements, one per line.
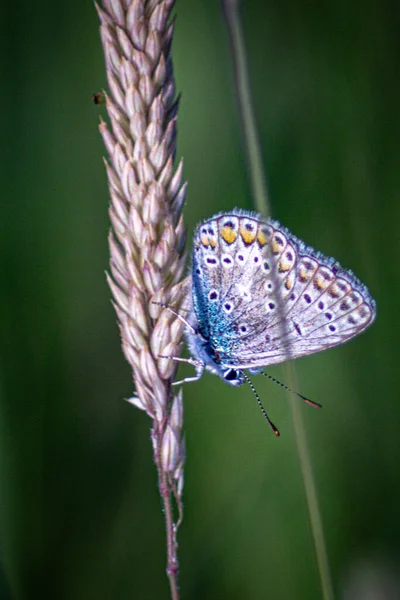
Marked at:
<point>188,379</point>
<point>190,361</point>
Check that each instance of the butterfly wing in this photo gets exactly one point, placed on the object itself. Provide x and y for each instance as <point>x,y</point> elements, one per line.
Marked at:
<point>265,296</point>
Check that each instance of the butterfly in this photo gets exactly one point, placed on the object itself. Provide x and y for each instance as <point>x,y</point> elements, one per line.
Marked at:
<point>260,296</point>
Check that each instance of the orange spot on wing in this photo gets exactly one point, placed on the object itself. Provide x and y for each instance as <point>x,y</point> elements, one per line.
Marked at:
<point>205,241</point>
<point>288,283</point>
<point>275,247</point>
<point>262,238</point>
<point>247,236</point>
<point>320,283</point>
<point>228,234</point>
<point>303,275</point>
<point>283,266</point>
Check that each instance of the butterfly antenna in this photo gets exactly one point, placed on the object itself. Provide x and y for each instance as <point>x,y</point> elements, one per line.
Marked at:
<point>285,387</point>
<point>264,412</point>
<point>192,329</point>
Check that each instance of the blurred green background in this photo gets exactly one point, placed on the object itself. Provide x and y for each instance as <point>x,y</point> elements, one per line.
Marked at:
<point>80,514</point>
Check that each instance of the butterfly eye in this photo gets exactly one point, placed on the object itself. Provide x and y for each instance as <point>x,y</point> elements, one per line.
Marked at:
<point>230,375</point>
<point>233,377</point>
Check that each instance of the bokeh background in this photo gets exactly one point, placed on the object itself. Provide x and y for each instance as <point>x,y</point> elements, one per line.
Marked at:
<point>80,514</point>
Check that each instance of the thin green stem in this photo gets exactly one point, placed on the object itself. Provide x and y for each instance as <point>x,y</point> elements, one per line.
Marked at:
<point>251,141</point>
<point>309,485</point>
<point>166,493</point>
<point>173,565</point>
<point>260,194</point>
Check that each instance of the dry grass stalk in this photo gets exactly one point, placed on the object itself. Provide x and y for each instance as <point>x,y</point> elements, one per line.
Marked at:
<point>148,237</point>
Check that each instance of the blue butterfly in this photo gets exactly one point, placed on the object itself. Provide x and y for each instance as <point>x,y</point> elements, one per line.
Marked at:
<point>260,296</point>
